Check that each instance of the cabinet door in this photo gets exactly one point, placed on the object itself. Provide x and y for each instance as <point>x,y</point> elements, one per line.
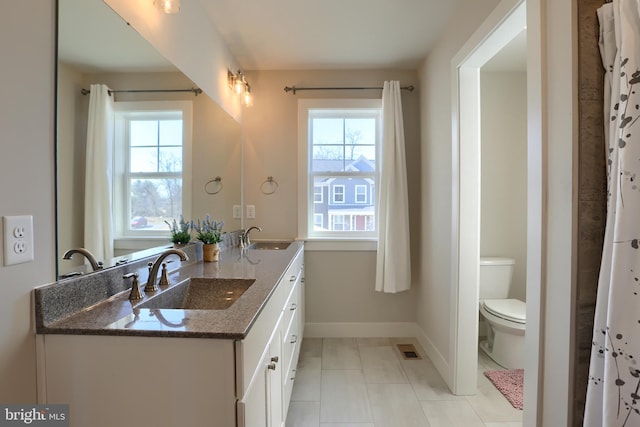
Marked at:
<point>261,406</point>
<point>252,409</point>
<point>275,383</point>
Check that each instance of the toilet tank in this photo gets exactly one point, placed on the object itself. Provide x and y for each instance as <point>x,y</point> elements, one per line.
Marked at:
<point>495,277</point>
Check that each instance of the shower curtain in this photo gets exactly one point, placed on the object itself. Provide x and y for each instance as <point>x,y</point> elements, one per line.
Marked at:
<point>613,394</point>
<point>98,234</point>
<point>393,264</point>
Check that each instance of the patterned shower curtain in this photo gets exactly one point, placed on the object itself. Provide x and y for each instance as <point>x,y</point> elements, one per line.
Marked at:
<point>613,394</point>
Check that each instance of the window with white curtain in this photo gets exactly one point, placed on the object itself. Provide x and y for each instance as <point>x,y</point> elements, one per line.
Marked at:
<point>151,166</point>
<point>339,143</point>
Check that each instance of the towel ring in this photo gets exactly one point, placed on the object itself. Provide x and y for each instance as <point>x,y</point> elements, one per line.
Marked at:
<point>218,181</point>
<point>272,183</point>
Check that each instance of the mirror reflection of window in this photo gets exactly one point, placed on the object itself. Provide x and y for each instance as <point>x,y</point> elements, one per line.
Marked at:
<point>152,144</point>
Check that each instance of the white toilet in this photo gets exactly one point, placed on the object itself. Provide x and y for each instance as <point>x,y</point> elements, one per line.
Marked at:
<point>505,318</point>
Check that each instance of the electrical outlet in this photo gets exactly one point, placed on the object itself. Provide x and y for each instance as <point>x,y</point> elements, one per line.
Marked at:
<point>251,211</point>
<point>18,239</point>
<point>237,211</point>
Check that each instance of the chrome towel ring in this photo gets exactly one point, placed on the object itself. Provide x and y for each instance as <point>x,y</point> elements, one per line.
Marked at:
<point>269,186</point>
<point>217,182</point>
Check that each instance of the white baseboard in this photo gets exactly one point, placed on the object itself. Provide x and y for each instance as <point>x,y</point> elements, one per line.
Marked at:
<point>360,330</point>
<point>442,365</point>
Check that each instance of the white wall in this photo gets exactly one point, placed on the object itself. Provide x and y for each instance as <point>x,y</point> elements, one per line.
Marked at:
<point>27,85</point>
<point>435,287</point>
<point>71,143</point>
<point>339,284</point>
<point>559,127</point>
<point>503,226</point>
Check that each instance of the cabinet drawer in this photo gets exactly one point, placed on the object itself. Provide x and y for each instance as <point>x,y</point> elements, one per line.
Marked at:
<point>291,305</point>
<point>290,340</point>
<point>293,274</point>
<point>287,388</point>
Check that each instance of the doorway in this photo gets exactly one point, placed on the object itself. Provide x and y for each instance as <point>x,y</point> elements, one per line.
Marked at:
<point>505,24</point>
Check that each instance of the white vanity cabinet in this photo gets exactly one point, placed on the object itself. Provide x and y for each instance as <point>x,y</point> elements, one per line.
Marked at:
<point>269,354</point>
<point>127,381</point>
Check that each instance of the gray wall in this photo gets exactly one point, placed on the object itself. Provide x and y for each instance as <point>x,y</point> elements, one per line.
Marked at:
<point>27,47</point>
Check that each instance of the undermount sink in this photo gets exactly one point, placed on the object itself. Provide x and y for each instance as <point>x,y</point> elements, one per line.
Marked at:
<point>200,294</point>
<point>278,246</point>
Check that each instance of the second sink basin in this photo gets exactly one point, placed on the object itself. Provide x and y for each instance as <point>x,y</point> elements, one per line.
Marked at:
<point>200,294</point>
<point>270,245</point>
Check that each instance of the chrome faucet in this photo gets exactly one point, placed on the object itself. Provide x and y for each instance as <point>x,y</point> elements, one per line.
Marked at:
<point>96,265</point>
<point>244,237</point>
<point>153,269</point>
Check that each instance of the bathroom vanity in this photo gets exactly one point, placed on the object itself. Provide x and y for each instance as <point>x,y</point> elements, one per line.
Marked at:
<point>124,363</point>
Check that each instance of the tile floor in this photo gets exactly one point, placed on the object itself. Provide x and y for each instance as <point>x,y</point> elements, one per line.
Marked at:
<point>365,382</point>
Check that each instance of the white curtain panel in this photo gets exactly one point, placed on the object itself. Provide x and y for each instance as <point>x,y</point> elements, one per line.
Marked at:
<point>614,373</point>
<point>98,227</point>
<point>393,268</point>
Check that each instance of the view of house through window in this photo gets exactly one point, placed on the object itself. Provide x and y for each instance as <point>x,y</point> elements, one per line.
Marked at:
<point>342,170</point>
<point>148,185</point>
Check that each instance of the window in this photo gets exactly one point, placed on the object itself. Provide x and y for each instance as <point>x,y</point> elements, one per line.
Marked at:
<point>317,194</point>
<point>338,149</point>
<point>361,193</point>
<point>152,156</point>
<point>318,220</point>
<point>338,194</point>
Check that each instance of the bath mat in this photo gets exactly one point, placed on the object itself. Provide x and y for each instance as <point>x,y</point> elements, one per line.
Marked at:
<point>509,383</point>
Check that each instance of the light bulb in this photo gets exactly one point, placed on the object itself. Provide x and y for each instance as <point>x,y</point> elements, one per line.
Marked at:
<point>167,6</point>
<point>240,84</point>
<point>247,99</point>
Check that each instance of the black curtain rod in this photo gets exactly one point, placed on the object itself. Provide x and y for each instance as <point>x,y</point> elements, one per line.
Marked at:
<point>295,89</point>
<point>195,90</point>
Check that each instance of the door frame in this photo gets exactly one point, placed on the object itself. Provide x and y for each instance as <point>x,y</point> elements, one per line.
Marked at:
<point>503,24</point>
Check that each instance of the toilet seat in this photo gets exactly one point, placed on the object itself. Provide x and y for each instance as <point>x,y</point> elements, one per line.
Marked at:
<point>512,310</point>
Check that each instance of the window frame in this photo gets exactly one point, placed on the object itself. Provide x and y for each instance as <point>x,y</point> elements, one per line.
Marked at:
<point>124,111</point>
<point>306,203</point>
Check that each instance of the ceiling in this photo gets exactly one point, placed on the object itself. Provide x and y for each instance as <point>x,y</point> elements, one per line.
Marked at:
<point>277,35</point>
<point>93,38</point>
<point>329,34</point>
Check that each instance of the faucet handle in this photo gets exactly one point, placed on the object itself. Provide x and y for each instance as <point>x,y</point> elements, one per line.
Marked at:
<point>164,280</point>
<point>135,294</point>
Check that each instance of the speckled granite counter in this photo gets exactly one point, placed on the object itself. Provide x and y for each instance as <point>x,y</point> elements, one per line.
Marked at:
<point>116,315</point>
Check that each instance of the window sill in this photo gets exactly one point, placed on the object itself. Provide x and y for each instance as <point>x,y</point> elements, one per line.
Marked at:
<point>339,244</point>
<point>139,243</point>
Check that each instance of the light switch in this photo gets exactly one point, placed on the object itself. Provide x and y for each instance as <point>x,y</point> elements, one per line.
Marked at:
<point>237,211</point>
<point>251,211</point>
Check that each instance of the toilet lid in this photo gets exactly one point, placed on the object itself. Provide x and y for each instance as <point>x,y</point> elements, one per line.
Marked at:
<point>510,309</point>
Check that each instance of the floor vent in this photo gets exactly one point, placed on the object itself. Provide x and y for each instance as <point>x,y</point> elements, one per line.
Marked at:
<point>409,352</point>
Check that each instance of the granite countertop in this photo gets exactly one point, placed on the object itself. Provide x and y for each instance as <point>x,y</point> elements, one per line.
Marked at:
<point>116,315</point>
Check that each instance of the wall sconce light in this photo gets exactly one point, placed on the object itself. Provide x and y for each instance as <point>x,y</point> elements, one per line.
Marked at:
<point>238,83</point>
<point>167,6</point>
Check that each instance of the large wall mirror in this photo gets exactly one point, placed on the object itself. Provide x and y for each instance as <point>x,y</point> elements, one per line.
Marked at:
<point>96,46</point>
